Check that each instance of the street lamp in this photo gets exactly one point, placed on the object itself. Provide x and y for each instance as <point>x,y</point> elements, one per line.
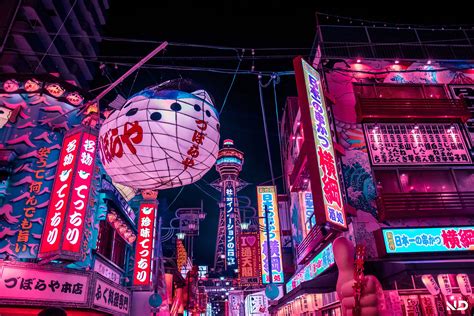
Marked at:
<point>180,235</point>
<point>244,225</point>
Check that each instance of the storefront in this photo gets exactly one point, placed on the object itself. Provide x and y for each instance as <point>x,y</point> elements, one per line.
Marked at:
<point>25,289</point>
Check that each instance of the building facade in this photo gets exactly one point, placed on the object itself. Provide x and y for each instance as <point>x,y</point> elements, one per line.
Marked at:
<point>29,44</point>
<point>400,118</point>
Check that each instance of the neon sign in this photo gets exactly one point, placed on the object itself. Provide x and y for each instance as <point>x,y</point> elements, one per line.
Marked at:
<point>320,263</point>
<point>145,244</point>
<point>306,199</point>
<point>66,216</point>
<point>428,239</point>
<point>229,160</point>
<point>249,259</point>
<point>266,196</point>
<point>330,206</point>
<point>230,225</point>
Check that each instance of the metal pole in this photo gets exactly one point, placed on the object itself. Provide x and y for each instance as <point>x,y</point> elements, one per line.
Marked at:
<point>267,229</point>
<point>157,259</point>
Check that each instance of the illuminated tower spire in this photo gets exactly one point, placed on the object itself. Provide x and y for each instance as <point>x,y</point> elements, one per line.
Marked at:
<point>229,164</point>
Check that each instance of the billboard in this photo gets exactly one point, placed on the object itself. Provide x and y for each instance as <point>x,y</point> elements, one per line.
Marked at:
<point>325,184</point>
<point>408,144</point>
<point>249,259</point>
<point>145,244</point>
<point>428,239</point>
<point>230,245</point>
<point>308,219</point>
<point>320,263</point>
<point>267,200</point>
<point>68,207</point>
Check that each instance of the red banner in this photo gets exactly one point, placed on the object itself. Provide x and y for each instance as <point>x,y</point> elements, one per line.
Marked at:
<point>77,209</point>
<point>249,259</point>
<point>67,210</point>
<point>145,243</point>
<point>54,222</point>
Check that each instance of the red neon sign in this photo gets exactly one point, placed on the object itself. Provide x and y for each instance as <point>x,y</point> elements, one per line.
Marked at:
<point>83,175</point>
<point>54,222</point>
<point>145,243</point>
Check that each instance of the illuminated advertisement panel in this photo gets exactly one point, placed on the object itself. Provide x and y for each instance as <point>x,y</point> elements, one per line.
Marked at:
<point>230,244</point>
<point>249,259</point>
<point>267,199</point>
<point>78,205</point>
<point>306,201</point>
<point>144,244</point>
<point>329,207</point>
<point>428,239</point>
<point>55,216</point>
<point>407,144</point>
<point>320,263</point>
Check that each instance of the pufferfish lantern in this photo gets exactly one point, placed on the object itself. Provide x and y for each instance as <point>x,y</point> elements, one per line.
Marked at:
<point>165,136</point>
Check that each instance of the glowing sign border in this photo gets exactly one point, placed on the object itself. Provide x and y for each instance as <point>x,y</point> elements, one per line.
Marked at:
<point>321,157</point>
<point>308,272</point>
<point>412,233</point>
<point>230,230</point>
<point>275,231</point>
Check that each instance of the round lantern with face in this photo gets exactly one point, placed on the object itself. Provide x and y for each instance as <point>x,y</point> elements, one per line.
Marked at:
<point>165,136</point>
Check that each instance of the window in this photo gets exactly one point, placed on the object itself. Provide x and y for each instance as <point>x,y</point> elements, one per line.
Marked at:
<point>464,180</point>
<point>387,181</point>
<point>110,244</point>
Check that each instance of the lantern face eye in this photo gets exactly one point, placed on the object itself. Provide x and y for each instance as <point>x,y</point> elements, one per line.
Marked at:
<point>208,114</point>
<point>176,107</point>
<point>197,107</point>
<point>155,116</point>
<point>131,112</point>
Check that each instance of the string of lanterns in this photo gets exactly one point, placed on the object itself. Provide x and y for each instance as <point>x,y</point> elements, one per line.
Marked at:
<point>121,227</point>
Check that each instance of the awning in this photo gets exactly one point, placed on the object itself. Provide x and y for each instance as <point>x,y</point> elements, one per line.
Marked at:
<point>323,283</point>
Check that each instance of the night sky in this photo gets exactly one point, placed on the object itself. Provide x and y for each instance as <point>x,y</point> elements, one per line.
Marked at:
<point>240,24</point>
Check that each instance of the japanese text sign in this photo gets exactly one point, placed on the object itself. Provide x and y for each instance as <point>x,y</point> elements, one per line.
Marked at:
<point>327,194</point>
<point>29,284</point>
<point>306,200</point>
<point>68,207</point>
<point>144,244</point>
<point>230,244</point>
<point>249,259</point>
<point>320,263</point>
<point>407,144</point>
<point>428,239</point>
<point>111,298</point>
<point>267,203</point>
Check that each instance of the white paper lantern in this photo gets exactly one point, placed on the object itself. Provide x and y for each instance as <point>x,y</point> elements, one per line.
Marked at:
<point>165,136</point>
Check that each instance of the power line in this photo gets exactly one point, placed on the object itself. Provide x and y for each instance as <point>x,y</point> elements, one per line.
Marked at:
<point>232,82</point>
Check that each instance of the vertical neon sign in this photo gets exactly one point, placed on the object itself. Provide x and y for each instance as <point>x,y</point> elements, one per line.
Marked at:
<point>329,206</point>
<point>144,246</point>
<point>266,196</point>
<point>65,219</point>
<point>306,200</point>
<point>230,226</point>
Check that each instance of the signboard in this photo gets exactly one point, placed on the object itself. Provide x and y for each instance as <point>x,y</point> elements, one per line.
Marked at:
<point>267,200</point>
<point>236,302</point>
<point>464,284</point>
<point>306,200</point>
<point>320,263</point>
<point>249,259</point>
<point>256,304</point>
<point>63,232</point>
<point>144,244</point>
<point>25,283</point>
<point>445,284</point>
<point>104,269</point>
<point>230,245</point>
<point>202,272</point>
<point>430,283</point>
<point>329,206</point>
<point>428,239</point>
<point>111,298</point>
<point>408,144</point>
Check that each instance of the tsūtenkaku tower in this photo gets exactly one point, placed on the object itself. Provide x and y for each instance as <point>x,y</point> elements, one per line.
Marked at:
<point>229,164</point>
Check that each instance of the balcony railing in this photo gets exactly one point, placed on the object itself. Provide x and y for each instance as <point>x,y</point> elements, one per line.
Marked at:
<point>370,109</point>
<point>414,205</point>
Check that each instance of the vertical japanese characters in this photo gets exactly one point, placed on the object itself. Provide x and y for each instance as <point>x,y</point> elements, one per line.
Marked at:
<point>249,259</point>
<point>329,180</point>
<point>144,246</point>
<point>230,223</point>
<point>266,196</point>
<point>31,202</point>
<point>64,224</point>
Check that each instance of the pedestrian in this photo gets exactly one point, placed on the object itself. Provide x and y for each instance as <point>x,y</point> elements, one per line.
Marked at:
<point>53,311</point>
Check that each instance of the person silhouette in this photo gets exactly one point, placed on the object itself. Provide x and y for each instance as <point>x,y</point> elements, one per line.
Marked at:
<point>53,311</point>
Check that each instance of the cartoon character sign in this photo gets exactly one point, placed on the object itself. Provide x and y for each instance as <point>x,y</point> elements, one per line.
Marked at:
<point>165,136</point>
